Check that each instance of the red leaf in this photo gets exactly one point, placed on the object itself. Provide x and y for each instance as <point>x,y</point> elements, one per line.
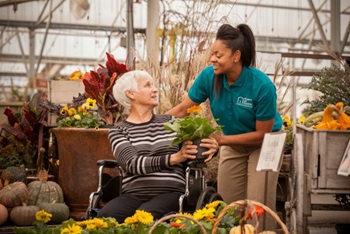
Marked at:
<point>114,66</point>
<point>10,116</point>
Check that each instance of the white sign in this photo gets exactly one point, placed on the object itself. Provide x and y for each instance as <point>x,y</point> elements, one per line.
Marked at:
<point>344,167</point>
<point>271,151</point>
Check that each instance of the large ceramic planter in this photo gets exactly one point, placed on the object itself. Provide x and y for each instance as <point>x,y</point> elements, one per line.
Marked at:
<point>78,151</point>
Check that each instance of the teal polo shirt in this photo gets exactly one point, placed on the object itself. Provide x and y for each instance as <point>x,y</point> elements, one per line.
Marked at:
<point>252,97</point>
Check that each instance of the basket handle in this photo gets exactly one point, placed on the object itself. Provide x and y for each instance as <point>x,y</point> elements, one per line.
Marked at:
<point>177,216</point>
<point>244,203</point>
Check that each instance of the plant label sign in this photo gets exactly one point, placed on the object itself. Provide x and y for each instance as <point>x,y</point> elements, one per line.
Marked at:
<point>344,167</point>
<point>271,151</point>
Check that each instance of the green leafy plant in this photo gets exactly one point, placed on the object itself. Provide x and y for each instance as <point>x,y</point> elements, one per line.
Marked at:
<point>191,127</point>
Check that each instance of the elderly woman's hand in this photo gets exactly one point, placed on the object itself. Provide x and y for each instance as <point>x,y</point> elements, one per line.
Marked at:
<point>212,145</point>
<point>187,151</point>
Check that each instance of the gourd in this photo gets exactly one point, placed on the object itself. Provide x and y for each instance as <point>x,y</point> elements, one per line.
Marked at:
<point>14,194</point>
<point>248,229</point>
<point>13,174</point>
<point>3,214</point>
<point>328,122</point>
<point>343,118</point>
<point>43,191</point>
<point>23,215</point>
<point>59,211</point>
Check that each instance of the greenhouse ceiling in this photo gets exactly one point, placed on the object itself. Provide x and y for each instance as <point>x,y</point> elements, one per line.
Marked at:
<point>46,38</point>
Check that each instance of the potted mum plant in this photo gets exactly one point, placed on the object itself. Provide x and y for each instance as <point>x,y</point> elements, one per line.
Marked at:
<point>193,127</point>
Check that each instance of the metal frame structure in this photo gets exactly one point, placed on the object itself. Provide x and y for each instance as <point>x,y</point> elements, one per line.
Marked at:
<point>44,65</point>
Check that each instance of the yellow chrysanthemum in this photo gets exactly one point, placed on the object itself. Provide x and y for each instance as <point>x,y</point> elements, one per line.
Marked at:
<point>213,204</point>
<point>77,117</point>
<point>90,103</point>
<point>99,223</point>
<point>64,110</point>
<point>194,110</point>
<point>72,111</point>
<point>287,121</point>
<point>43,216</point>
<point>199,215</point>
<point>130,220</point>
<point>144,217</point>
<point>209,213</point>
<point>74,229</point>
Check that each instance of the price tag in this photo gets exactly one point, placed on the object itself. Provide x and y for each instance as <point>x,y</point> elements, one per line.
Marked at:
<point>344,167</point>
<point>271,151</point>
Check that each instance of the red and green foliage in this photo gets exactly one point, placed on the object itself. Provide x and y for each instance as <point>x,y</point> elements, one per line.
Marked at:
<point>99,84</point>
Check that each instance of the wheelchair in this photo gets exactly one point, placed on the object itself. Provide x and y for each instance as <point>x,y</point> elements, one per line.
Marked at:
<point>197,192</point>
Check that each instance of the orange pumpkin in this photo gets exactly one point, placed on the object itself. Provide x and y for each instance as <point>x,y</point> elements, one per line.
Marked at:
<point>3,214</point>
<point>14,194</point>
<point>248,229</point>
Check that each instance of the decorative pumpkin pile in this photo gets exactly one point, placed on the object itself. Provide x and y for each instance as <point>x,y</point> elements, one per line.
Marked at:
<point>19,201</point>
<point>334,117</point>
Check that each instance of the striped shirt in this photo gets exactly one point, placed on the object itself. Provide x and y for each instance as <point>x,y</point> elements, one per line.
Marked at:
<point>143,152</point>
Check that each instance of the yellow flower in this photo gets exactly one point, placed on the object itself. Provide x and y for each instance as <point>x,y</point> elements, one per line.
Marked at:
<point>77,117</point>
<point>99,223</point>
<point>199,215</point>
<point>76,75</point>
<point>143,217</point>
<point>72,111</point>
<point>43,216</point>
<point>64,110</point>
<point>301,119</point>
<point>74,229</point>
<point>81,109</point>
<point>213,204</point>
<point>130,220</point>
<point>194,110</point>
<point>90,103</point>
<point>287,121</point>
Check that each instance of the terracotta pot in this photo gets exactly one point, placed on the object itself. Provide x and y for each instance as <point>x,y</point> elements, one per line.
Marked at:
<point>78,151</point>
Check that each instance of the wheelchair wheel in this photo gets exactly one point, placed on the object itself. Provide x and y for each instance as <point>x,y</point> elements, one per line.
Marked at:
<point>208,195</point>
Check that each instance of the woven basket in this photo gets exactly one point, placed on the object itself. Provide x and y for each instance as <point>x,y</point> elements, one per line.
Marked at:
<point>246,203</point>
<point>168,217</point>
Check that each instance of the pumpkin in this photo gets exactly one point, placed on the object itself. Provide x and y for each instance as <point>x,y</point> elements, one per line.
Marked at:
<point>3,214</point>
<point>44,191</point>
<point>14,194</point>
<point>13,174</point>
<point>59,211</point>
<point>248,229</point>
<point>23,215</point>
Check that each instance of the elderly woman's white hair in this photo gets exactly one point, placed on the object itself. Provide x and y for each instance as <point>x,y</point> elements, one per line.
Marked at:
<point>128,81</point>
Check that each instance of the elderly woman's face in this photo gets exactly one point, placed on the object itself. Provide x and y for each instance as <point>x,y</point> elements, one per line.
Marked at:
<point>148,93</point>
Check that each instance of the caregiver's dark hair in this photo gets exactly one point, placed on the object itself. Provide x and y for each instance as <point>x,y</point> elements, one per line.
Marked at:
<point>240,38</point>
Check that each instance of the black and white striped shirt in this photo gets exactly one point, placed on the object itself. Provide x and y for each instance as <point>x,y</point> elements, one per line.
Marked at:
<point>143,152</point>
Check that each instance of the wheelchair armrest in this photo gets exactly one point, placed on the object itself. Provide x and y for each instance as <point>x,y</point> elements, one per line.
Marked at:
<point>108,163</point>
<point>195,164</point>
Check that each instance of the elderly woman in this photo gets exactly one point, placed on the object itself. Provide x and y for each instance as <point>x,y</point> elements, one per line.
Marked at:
<point>154,177</point>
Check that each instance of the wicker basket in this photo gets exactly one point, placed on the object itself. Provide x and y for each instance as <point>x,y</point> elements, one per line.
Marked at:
<point>168,217</point>
<point>246,203</point>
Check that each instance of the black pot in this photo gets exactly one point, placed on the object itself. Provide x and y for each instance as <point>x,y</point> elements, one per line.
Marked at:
<point>199,156</point>
<point>342,228</point>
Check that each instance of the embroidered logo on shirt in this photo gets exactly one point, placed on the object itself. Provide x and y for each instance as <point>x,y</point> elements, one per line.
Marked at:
<point>242,101</point>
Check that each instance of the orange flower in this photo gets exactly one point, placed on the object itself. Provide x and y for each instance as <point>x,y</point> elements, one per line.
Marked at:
<point>194,110</point>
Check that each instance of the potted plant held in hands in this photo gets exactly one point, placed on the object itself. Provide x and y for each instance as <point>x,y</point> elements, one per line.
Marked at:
<point>192,127</point>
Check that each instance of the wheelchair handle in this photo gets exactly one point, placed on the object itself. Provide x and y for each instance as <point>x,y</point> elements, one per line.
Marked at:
<point>108,163</point>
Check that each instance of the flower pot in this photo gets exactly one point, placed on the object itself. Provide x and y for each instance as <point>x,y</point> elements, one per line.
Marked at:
<point>78,151</point>
<point>199,156</point>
